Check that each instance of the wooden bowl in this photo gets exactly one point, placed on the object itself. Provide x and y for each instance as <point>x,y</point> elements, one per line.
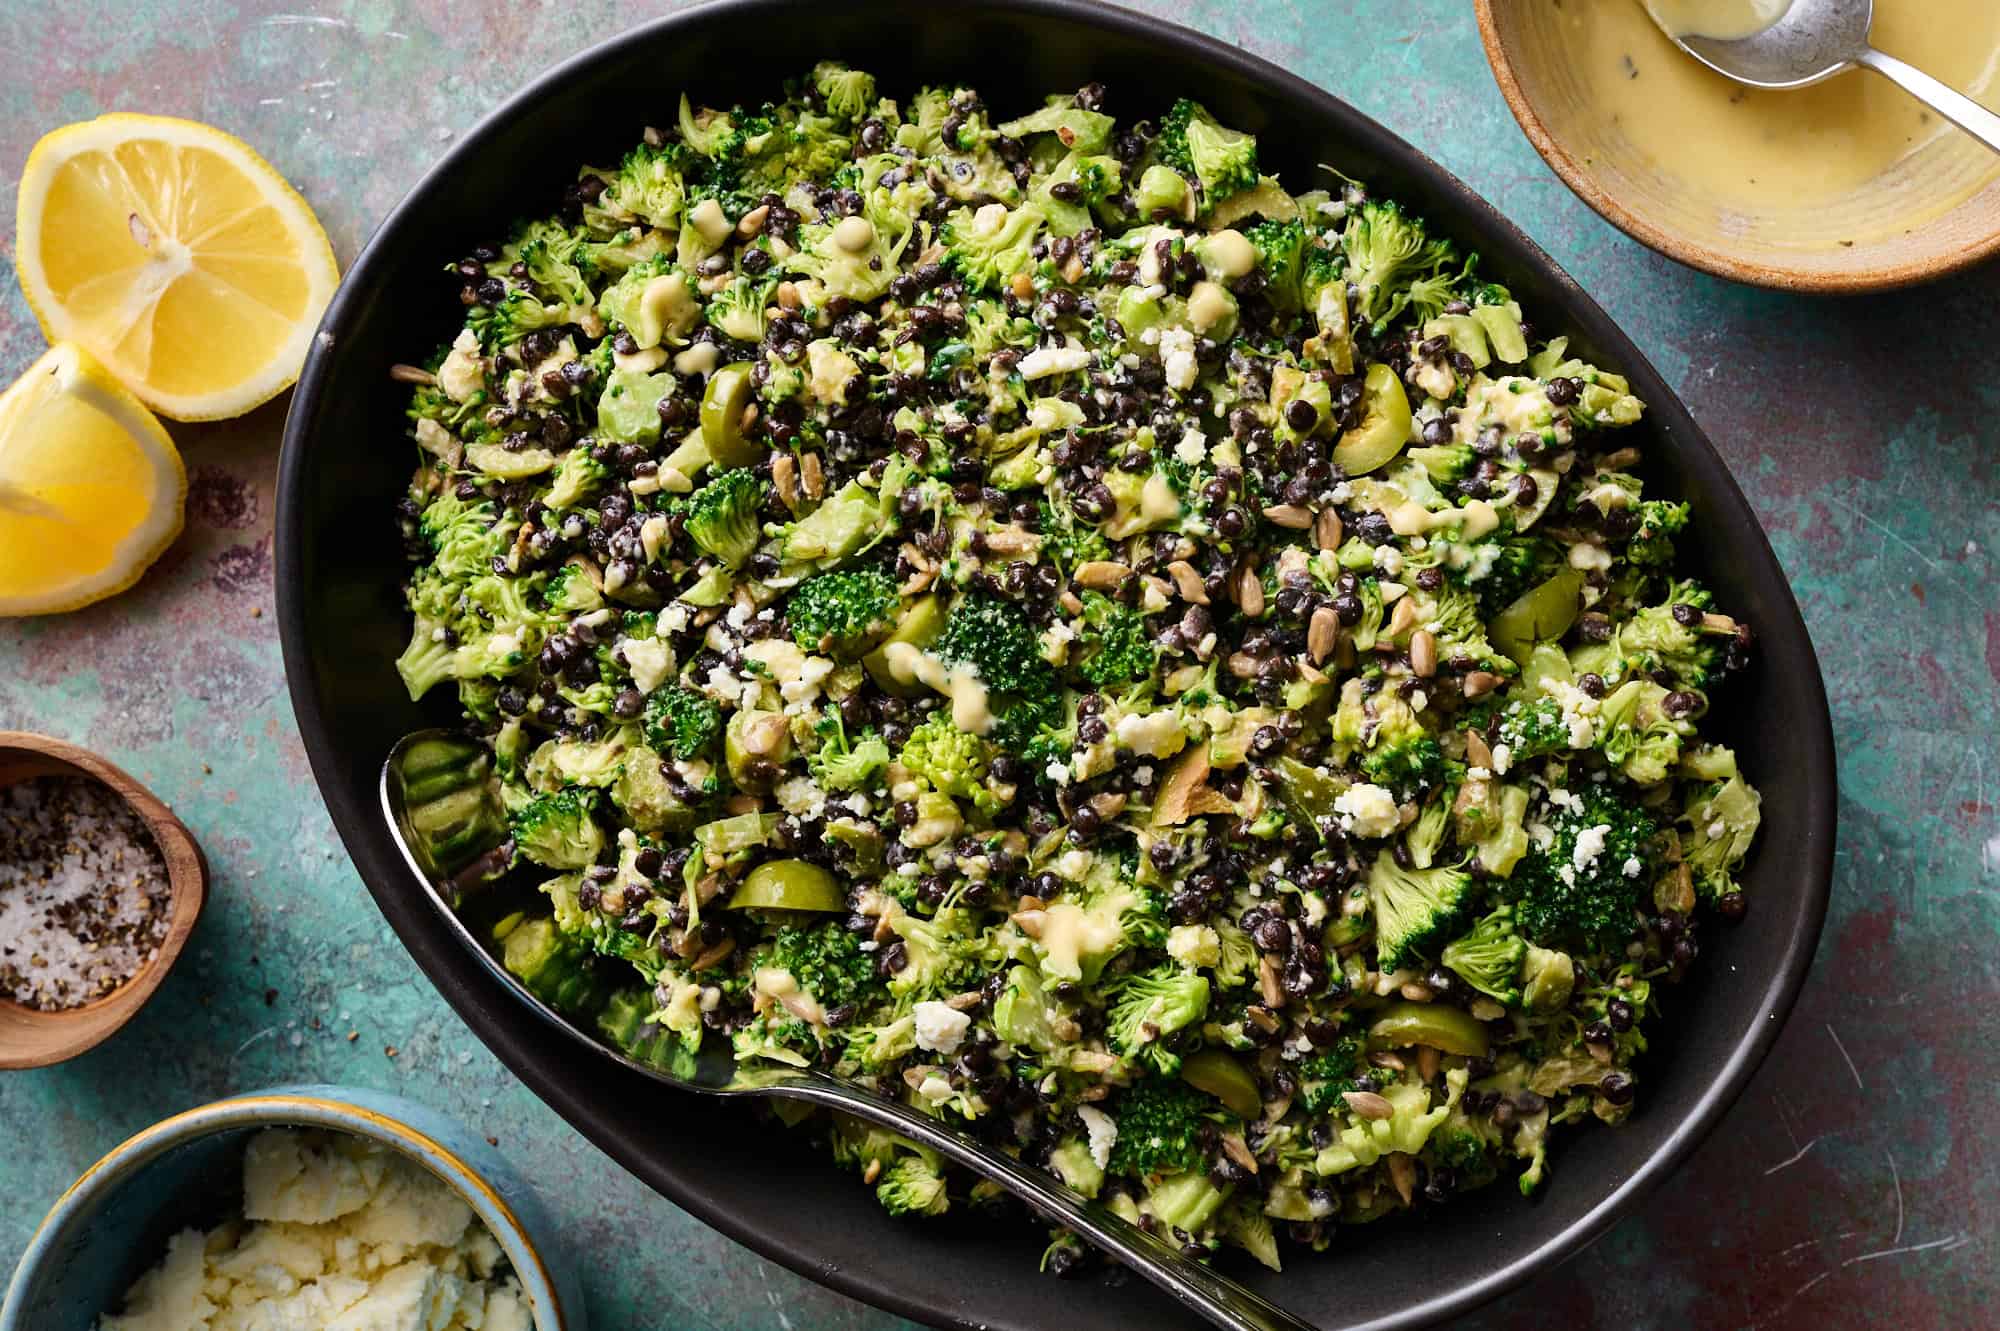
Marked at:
<point>33,1039</point>
<point>1859,242</point>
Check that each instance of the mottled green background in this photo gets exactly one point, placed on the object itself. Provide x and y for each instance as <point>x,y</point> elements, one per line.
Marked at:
<point>1855,1184</point>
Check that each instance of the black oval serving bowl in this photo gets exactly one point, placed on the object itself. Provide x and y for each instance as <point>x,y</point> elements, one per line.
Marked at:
<point>340,570</point>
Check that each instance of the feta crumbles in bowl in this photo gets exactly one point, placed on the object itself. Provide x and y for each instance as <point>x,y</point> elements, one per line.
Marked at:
<point>310,1207</point>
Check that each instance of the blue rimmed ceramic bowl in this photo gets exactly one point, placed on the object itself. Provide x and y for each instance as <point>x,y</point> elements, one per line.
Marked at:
<point>186,1171</point>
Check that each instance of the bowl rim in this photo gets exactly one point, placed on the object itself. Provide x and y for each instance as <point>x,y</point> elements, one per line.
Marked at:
<point>69,1032</point>
<point>324,1107</point>
<point>1672,245</point>
<point>514,1041</point>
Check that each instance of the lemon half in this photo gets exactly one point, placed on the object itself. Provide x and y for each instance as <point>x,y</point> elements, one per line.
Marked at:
<point>176,256</point>
<point>91,487</point>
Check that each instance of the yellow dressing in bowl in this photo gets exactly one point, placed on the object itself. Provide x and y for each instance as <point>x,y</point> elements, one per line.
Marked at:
<point>1787,167</point>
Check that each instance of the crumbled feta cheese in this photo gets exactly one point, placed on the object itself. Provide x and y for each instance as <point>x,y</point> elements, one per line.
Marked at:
<point>1177,357</point>
<point>1564,799</point>
<point>674,619</point>
<point>805,687</point>
<point>1367,810</point>
<point>1193,447</point>
<point>463,373</point>
<point>1389,560</point>
<point>1103,1130</point>
<point>336,1232</point>
<point>650,660</point>
<point>1073,864</point>
<point>1057,771</point>
<point>1589,556</point>
<point>1478,774</point>
<point>1194,945</point>
<point>1541,834</point>
<point>1503,758</point>
<point>1633,868</point>
<point>738,616</point>
<point>1589,845</point>
<point>1045,361</point>
<point>800,796</point>
<point>940,1027</point>
<point>1156,735</point>
<point>1142,776</point>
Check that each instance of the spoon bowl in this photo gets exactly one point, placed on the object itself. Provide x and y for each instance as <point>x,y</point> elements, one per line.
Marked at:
<point>442,802</point>
<point>1811,42</point>
<point>1817,39</point>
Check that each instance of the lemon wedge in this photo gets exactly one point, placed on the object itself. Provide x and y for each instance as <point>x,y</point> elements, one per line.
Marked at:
<point>91,487</point>
<point>176,256</point>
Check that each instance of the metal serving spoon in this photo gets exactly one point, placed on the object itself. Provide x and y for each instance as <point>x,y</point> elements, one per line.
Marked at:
<point>442,803</point>
<point>1817,39</point>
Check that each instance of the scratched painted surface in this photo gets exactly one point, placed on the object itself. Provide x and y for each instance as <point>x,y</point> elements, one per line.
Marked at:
<point>1854,1185</point>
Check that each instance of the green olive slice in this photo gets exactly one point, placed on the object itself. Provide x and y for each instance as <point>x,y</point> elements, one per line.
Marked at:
<point>723,403</point>
<point>1384,429</point>
<point>788,885</point>
<point>1540,614</point>
<point>1220,1075</point>
<point>1447,1029</point>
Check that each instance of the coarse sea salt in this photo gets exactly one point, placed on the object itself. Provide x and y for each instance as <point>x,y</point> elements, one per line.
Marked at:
<point>84,896</point>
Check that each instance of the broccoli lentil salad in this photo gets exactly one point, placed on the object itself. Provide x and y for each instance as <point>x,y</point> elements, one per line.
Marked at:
<point>1175,676</point>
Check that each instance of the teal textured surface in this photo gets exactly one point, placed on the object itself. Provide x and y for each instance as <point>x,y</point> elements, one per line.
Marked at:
<point>1851,1187</point>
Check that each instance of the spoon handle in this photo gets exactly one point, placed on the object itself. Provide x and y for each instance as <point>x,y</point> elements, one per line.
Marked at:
<point>1197,1287</point>
<point>1947,101</point>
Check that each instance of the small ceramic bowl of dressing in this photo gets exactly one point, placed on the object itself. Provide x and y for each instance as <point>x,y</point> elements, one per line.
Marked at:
<point>31,1035</point>
<point>1846,186</point>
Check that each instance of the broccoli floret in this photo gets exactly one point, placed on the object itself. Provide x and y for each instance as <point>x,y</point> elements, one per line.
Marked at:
<point>1534,729</point>
<point>722,515</point>
<point>738,309</point>
<point>1148,1007</point>
<point>951,760</point>
<point>681,722</point>
<point>1386,251</point>
<point>989,246</point>
<point>557,831</point>
<point>1115,640</point>
<point>649,184</point>
<point>1430,293</point>
<point>557,261</point>
<point>1326,1076</point>
<point>513,317</point>
<point>1515,567</point>
<point>1718,825</point>
<point>1652,544</point>
<point>848,93</point>
<point>995,639</point>
<point>914,1185</point>
<point>1067,540</point>
<point>1637,734</point>
<point>1222,159</point>
<point>1415,909</point>
<point>1656,638</point>
<point>1444,463</point>
<point>1159,1127</point>
<point>577,477</point>
<point>826,960</point>
<point>1575,887</point>
<point>428,661</point>
<point>1489,958</point>
<point>841,763</point>
<point>1407,765</point>
<point>841,613</point>
<point>1280,257</point>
